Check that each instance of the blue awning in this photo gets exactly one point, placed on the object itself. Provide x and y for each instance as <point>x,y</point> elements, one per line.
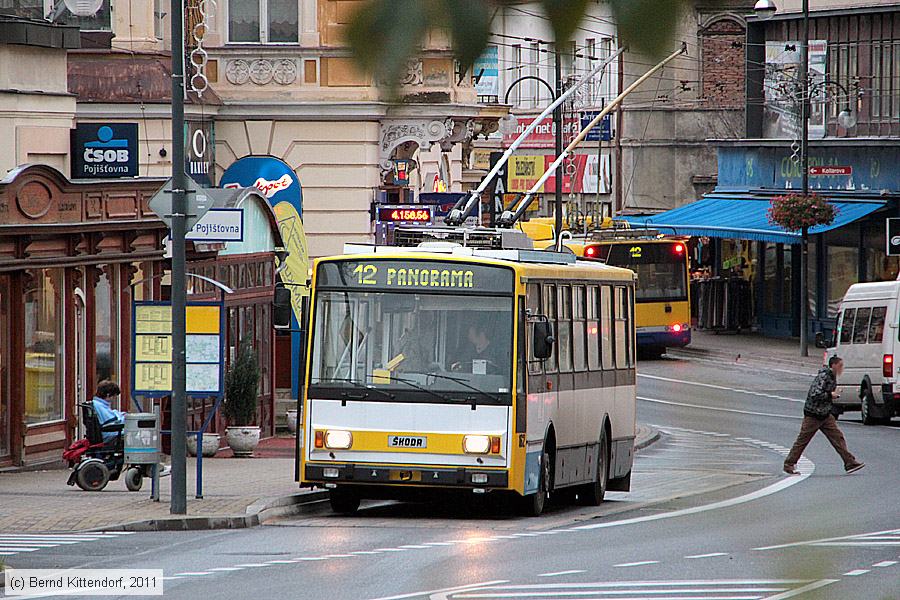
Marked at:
<point>745,218</point>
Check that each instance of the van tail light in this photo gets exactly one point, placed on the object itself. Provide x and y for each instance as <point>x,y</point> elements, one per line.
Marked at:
<point>887,365</point>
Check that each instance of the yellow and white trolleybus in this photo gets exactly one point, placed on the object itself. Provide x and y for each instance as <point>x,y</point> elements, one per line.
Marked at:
<point>446,368</point>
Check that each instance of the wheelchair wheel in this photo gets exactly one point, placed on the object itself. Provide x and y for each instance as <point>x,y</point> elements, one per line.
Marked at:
<point>92,476</point>
<point>134,478</point>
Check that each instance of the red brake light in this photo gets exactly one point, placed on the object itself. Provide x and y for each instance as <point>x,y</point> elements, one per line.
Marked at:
<point>590,251</point>
<point>887,365</point>
<point>679,248</point>
<point>676,328</point>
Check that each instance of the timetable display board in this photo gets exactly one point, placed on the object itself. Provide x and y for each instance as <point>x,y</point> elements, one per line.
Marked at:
<point>152,348</point>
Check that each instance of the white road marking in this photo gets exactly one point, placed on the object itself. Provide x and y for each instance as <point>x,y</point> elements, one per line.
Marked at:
<point>856,572</point>
<point>414,547</point>
<point>718,387</point>
<point>851,544</point>
<point>364,552</point>
<point>833,539</point>
<point>13,550</point>
<point>390,550</point>
<point>710,555</point>
<point>225,569</point>
<point>558,573</point>
<point>252,565</point>
<point>452,543</point>
<point>312,558</point>
<point>885,563</point>
<point>717,409</point>
<point>637,564</point>
<point>802,590</point>
<point>193,574</point>
<point>444,590</point>
<point>282,562</point>
<point>338,556</point>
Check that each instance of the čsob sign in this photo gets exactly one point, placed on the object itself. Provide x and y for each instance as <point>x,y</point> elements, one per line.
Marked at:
<point>104,150</point>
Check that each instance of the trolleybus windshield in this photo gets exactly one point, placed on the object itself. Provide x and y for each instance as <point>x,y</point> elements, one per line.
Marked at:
<point>422,331</point>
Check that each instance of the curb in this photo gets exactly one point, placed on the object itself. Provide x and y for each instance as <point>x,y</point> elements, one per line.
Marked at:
<point>798,363</point>
<point>257,514</point>
<point>646,436</point>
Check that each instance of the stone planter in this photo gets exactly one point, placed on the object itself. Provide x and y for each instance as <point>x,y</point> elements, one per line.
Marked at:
<point>210,444</point>
<point>292,420</point>
<point>242,440</point>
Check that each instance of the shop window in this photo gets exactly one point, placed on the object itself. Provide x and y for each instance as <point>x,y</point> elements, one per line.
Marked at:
<point>770,279</point>
<point>846,326</point>
<point>843,271</point>
<point>44,366</point>
<point>876,324</point>
<point>861,325</point>
<point>787,278</point>
<point>263,21</point>
<point>106,324</point>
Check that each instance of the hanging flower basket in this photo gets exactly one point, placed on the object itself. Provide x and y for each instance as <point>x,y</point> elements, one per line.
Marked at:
<point>795,212</point>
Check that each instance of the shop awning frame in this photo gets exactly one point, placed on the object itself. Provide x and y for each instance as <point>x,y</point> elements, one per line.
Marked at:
<point>744,216</point>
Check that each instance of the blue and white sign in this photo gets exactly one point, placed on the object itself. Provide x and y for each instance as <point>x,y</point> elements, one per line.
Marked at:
<point>104,150</point>
<point>219,225</point>
<point>485,72</point>
<point>602,132</point>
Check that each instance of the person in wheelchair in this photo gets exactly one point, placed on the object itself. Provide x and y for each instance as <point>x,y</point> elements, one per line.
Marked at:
<point>107,415</point>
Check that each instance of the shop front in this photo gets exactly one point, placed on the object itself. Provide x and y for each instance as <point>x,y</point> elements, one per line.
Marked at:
<point>69,253</point>
<point>856,176</point>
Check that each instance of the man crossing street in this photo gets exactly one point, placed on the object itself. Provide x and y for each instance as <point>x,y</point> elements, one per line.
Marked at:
<point>818,414</point>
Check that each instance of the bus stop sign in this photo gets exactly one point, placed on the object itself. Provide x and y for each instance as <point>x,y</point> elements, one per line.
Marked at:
<point>893,237</point>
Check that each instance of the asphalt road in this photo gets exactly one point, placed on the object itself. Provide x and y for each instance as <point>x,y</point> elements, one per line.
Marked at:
<point>711,517</point>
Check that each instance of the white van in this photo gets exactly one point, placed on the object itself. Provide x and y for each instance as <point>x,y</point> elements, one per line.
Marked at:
<point>868,339</point>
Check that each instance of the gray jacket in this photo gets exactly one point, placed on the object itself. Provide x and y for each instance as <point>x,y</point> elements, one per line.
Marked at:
<point>818,400</point>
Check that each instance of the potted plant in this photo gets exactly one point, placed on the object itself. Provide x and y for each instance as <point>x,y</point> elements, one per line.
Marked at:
<point>241,385</point>
<point>292,420</point>
<point>210,444</point>
<point>796,212</point>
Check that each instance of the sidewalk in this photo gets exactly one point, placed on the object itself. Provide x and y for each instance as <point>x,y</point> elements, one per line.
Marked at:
<point>236,493</point>
<point>751,348</point>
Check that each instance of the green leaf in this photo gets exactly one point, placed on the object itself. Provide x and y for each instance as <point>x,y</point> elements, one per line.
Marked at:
<point>384,34</point>
<point>647,26</point>
<point>565,16</point>
<point>470,27</point>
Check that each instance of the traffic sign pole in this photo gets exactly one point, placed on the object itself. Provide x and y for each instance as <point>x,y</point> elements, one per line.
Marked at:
<point>178,501</point>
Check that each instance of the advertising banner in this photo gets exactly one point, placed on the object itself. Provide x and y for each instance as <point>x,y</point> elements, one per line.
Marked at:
<point>104,150</point>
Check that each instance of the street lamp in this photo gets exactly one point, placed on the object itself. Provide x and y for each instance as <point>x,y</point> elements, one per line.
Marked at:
<point>765,9</point>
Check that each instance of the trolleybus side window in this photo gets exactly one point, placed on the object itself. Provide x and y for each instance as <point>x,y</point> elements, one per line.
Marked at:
<point>550,310</point>
<point>533,303</point>
<point>579,360</point>
<point>621,327</point>
<point>847,325</point>
<point>593,329</point>
<point>606,343</point>
<point>564,328</point>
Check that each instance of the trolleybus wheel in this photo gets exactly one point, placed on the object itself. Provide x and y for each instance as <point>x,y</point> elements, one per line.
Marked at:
<point>344,502</point>
<point>592,494</point>
<point>534,504</point>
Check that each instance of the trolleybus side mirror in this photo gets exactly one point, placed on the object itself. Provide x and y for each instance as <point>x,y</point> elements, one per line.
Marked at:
<point>281,315</point>
<point>543,339</point>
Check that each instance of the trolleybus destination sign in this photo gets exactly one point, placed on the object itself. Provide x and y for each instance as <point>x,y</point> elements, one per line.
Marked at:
<point>416,275</point>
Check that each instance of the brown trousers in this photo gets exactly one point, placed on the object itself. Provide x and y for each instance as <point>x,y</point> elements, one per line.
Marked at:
<point>808,429</point>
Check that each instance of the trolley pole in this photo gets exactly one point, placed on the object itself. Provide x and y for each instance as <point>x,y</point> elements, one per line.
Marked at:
<point>178,501</point>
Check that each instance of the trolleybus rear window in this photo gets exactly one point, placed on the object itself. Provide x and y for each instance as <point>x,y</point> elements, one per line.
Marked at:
<point>661,269</point>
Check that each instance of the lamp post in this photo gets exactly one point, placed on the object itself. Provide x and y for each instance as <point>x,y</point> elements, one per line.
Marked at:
<point>765,9</point>
<point>557,125</point>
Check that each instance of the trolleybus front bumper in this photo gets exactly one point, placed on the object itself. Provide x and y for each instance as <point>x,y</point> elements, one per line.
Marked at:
<point>416,476</point>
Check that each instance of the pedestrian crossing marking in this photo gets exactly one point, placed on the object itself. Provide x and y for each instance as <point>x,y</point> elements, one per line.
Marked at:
<point>15,543</point>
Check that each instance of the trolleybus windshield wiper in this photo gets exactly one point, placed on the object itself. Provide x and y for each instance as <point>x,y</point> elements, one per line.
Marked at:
<point>415,385</point>
<point>463,383</point>
<point>358,385</point>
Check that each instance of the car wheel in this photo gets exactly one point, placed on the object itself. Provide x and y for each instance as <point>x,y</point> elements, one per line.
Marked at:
<point>592,494</point>
<point>92,476</point>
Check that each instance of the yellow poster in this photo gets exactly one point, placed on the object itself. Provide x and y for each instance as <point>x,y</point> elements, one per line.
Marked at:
<point>524,172</point>
<point>296,269</point>
<point>152,318</point>
<point>153,348</point>
<point>202,319</point>
<point>153,377</point>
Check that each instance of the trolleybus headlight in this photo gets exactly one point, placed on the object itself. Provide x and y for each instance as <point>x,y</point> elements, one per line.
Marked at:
<point>337,439</point>
<point>476,444</point>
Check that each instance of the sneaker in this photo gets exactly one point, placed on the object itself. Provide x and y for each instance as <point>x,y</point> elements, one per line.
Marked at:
<point>854,467</point>
<point>791,470</point>
<point>165,470</point>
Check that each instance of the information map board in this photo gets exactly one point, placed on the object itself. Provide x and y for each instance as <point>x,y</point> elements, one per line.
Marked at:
<point>152,348</point>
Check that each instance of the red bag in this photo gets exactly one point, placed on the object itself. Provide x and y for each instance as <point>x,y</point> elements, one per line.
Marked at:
<point>74,452</point>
